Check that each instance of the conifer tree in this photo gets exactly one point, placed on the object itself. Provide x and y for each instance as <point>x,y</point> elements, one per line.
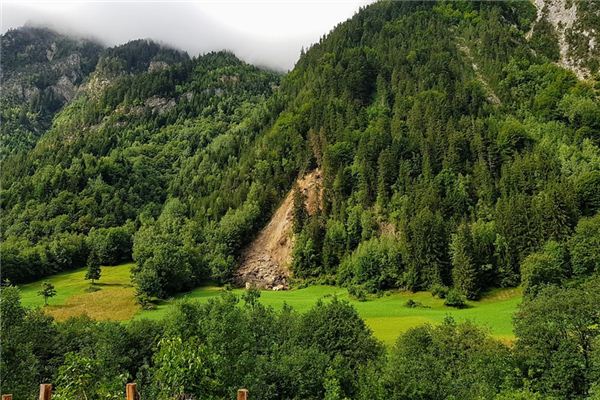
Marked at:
<point>464,271</point>
<point>93,268</point>
<point>299,211</point>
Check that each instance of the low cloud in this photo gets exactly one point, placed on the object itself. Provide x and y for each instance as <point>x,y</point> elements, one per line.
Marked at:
<point>263,33</point>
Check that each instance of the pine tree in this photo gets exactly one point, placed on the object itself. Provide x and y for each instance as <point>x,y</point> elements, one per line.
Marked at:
<point>299,211</point>
<point>93,268</point>
<point>464,271</point>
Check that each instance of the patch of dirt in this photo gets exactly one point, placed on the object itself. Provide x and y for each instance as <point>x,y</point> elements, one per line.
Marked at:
<point>491,95</point>
<point>265,262</point>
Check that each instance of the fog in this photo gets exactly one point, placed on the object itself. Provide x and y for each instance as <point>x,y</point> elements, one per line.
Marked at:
<point>267,33</point>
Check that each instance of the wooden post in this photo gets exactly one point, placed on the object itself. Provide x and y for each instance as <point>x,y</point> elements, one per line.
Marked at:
<point>131,391</point>
<point>7,397</point>
<point>45,391</point>
<point>242,394</point>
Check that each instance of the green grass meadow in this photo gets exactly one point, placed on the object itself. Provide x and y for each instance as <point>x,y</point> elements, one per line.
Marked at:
<point>387,315</point>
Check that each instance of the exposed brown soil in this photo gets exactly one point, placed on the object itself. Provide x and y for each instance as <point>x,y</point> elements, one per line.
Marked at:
<point>265,262</point>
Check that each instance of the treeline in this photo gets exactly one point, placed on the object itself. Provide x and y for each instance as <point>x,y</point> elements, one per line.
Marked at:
<point>208,351</point>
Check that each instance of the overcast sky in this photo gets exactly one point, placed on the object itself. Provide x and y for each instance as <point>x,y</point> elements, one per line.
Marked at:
<point>269,33</point>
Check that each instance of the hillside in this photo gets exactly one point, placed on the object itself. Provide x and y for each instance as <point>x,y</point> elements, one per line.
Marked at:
<point>441,123</point>
<point>567,32</point>
<point>133,137</point>
<point>419,157</point>
<point>41,71</point>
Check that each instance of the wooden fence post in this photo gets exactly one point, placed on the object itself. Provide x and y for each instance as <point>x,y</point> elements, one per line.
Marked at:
<point>45,391</point>
<point>131,391</point>
<point>7,397</point>
<point>242,394</point>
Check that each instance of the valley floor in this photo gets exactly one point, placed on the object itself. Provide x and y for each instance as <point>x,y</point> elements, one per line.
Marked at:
<point>387,315</point>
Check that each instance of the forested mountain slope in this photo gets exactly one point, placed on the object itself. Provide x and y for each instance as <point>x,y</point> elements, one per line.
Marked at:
<point>41,71</point>
<point>119,150</point>
<point>445,124</point>
<point>452,150</point>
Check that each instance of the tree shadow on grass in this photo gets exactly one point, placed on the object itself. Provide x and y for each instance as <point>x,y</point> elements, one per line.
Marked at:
<point>103,284</point>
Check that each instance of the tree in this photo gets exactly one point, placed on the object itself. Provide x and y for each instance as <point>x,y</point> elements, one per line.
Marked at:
<point>18,364</point>
<point>305,260</point>
<point>465,274</point>
<point>84,377</point>
<point>428,249</point>
<point>47,291</point>
<point>181,369</point>
<point>454,298</point>
<point>584,246</point>
<point>587,187</point>
<point>556,334</point>
<point>93,268</point>
<point>299,212</point>
<point>546,267</point>
<point>446,361</point>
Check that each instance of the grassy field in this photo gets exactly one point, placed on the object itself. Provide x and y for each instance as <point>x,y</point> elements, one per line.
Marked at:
<point>387,315</point>
<point>113,301</point>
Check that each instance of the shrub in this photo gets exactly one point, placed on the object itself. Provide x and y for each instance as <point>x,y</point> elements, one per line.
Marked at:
<point>357,292</point>
<point>376,264</point>
<point>440,291</point>
<point>455,299</point>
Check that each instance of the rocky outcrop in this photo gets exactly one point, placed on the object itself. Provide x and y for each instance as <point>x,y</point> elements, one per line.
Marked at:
<point>159,105</point>
<point>577,39</point>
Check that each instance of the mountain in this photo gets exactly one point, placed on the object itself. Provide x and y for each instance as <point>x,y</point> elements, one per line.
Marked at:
<point>132,138</point>
<point>452,148</point>
<point>41,71</point>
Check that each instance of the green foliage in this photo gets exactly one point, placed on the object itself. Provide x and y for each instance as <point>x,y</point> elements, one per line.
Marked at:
<point>251,296</point>
<point>39,66</point>
<point>439,291</point>
<point>585,246</point>
<point>305,261</point>
<point>547,267</point>
<point>111,246</point>
<point>376,264</point>
<point>94,271</point>
<point>180,370</point>
<point>465,274</point>
<point>587,187</point>
<point>453,151</point>
<point>421,118</point>
<point>299,212</point>
<point>81,378</point>
<point>47,291</point>
<point>167,261</point>
<point>447,361</point>
<point>455,299</point>
<point>357,292</point>
<point>556,335</point>
<point>18,364</point>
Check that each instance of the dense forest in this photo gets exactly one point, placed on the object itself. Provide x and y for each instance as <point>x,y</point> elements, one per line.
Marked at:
<point>457,156</point>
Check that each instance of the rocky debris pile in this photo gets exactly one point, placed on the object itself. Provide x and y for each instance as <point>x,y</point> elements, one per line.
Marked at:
<point>265,262</point>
